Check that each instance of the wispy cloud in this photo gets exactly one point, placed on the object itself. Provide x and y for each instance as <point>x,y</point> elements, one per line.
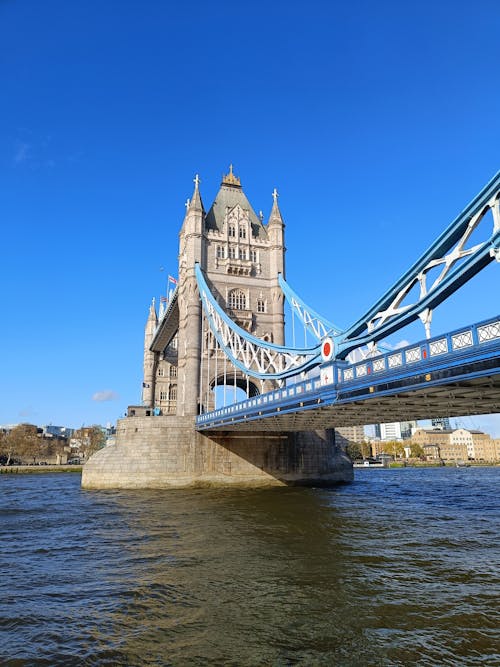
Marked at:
<point>106,395</point>
<point>27,411</point>
<point>22,153</point>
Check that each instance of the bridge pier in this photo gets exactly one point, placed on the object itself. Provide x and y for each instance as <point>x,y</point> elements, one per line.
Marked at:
<point>166,452</point>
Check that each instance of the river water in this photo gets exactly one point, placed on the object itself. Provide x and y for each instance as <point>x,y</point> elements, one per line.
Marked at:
<point>399,568</point>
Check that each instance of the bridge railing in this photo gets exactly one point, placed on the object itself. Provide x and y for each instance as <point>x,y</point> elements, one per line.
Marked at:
<point>460,339</point>
<point>336,375</point>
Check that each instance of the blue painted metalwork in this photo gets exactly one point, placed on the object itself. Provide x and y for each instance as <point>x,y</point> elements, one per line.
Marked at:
<point>264,360</point>
<point>318,325</point>
<point>414,365</point>
<point>488,198</point>
<point>252,355</point>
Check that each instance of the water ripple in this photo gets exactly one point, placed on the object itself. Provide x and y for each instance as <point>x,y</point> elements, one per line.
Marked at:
<point>399,568</point>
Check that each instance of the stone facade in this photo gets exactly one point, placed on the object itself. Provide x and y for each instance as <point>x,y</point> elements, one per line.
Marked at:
<point>459,444</point>
<point>157,444</point>
<point>166,452</point>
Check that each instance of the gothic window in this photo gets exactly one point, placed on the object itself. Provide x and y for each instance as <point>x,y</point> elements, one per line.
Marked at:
<point>243,253</point>
<point>163,395</point>
<point>237,300</point>
<point>243,233</point>
<point>261,306</point>
<point>253,256</point>
<point>161,371</point>
<point>172,393</point>
<point>220,252</point>
<point>232,231</point>
<point>173,371</point>
<point>232,252</point>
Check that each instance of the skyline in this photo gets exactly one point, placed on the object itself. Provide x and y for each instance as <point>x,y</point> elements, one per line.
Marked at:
<point>375,127</point>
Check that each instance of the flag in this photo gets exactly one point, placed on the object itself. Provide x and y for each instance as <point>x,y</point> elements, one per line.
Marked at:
<point>171,279</point>
<point>145,385</point>
<point>163,299</point>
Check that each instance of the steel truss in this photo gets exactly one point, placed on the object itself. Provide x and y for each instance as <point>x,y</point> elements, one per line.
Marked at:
<point>455,265</point>
<point>448,253</point>
<point>253,356</point>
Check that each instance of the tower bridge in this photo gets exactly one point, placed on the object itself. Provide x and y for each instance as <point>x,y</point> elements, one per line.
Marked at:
<point>227,400</point>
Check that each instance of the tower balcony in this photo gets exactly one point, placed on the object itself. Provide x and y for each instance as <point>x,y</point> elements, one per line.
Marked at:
<point>243,318</point>
<point>237,267</point>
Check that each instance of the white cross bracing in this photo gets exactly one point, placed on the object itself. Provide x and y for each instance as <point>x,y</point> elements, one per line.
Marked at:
<point>248,353</point>
<point>447,262</point>
<point>448,258</point>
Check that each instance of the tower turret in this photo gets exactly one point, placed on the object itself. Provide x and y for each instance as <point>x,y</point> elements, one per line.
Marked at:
<point>149,357</point>
<point>276,236</point>
<point>191,251</point>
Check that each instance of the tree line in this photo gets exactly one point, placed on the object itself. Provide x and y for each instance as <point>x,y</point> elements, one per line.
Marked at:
<point>25,444</point>
<point>362,450</point>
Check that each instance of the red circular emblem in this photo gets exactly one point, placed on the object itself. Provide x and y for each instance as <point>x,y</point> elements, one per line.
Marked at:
<point>327,349</point>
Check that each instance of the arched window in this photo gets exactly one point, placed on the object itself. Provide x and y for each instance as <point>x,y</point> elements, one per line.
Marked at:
<point>237,300</point>
<point>243,233</point>
<point>220,252</point>
<point>261,306</point>
<point>232,231</point>
<point>173,371</point>
<point>232,252</point>
<point>172,393</point>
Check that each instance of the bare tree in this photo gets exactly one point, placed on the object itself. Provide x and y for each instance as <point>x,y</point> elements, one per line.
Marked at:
<point>21,442</point>
<point>90,439</point>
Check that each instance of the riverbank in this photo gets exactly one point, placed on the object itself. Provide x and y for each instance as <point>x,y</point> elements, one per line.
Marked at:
<point>447,464</point>
<point>24,470</point>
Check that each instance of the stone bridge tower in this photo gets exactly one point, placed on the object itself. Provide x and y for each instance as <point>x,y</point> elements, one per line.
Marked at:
<point>241,258</point>
<point>157,445</point>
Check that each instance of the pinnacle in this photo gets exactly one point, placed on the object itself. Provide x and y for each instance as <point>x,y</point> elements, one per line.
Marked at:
<point>195,204</point>
<point>275,215</point>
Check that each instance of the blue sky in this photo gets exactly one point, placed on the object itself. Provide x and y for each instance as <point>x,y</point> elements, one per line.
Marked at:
<point>377,122</point>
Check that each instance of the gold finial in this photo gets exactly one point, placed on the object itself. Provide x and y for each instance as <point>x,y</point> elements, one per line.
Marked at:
<point>231,179</point>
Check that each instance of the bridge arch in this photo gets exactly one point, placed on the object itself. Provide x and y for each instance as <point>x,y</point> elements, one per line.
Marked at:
<point>247,385</point>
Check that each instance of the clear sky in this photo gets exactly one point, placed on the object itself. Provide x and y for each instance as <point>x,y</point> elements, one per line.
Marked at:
<point>376,121</point>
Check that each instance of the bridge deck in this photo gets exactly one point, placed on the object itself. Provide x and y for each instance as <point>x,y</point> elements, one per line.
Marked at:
<point>462,381</point>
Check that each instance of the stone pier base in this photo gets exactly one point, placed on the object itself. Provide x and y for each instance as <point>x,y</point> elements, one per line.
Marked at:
<point>165,452</point>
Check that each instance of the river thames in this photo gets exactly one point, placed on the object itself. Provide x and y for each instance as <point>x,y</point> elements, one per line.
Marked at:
<point>399,568</point>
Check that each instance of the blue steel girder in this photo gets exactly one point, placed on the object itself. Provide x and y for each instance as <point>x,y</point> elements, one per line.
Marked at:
<point>318,325</point>
<point>253,356</point>
<point>457,372</point>
<point>459,265</point>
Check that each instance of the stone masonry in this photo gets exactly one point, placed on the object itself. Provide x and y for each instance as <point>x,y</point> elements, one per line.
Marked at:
<point>157,445</point>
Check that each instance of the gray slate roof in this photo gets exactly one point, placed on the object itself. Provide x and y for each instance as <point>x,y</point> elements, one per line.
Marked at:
<point>230,196</point>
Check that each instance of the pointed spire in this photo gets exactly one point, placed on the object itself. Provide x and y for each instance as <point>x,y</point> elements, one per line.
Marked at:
<point>231,179</point>
<point>275,211</point>
<point>152,317</point>
<point>195,204</point>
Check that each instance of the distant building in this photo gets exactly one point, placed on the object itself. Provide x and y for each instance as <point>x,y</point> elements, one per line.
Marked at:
<point>442,423</point>
<point>459,444</point>
<point>57,431</point>
<point>351,433</point>
<point>395,430</point>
